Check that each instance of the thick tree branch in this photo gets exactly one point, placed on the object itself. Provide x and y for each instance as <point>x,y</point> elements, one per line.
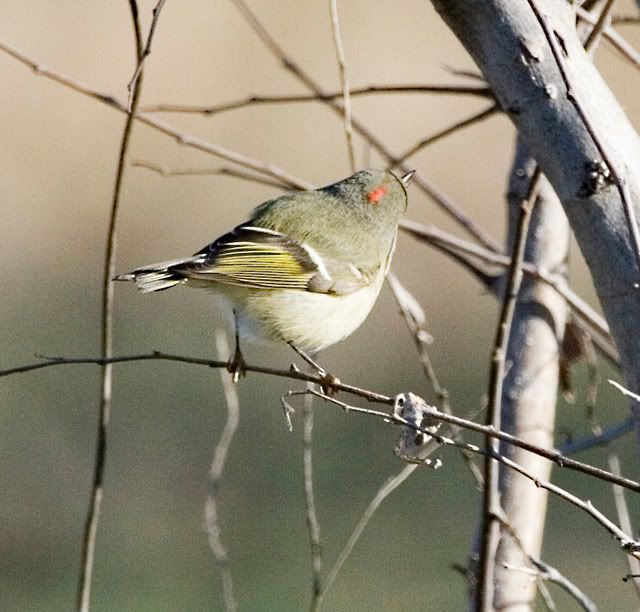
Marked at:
<point>531,384</point>
<point>491,499</point>
<point>573,126</point>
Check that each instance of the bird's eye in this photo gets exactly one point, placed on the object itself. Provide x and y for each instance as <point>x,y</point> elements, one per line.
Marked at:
<point>375,195</point>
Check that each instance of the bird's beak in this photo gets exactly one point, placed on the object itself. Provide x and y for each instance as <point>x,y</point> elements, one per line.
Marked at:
<point>406,179</point>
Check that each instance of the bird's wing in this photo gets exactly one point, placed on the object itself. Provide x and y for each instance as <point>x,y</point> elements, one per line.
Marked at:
<point>261,258</point>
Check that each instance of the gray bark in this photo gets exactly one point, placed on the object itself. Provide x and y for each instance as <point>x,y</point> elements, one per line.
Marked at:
<point>528,51</point>
<point>530,386</point>
<point>531,56</point>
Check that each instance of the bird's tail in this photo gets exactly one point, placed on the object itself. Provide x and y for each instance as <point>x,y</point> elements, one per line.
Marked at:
<point>157,277</point>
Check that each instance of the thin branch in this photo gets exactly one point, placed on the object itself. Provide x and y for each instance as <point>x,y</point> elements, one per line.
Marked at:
<point>415,319</point>
<point>185,139</point>
<point>624,518</point>
<point>421,182</point>
<point>459,125</point>
<point>371,396</point>
<point>83,594</point>
<point>602,439</point>
<point>292,373</point>
<point>544,571</point>
<point>625,20</point>
<point>627,543</point>
<point>550,573</point>
<point>604,19</point>
<point>181,137</point>
<point>613,37</point>
<point>385,490</point>
<point>491,504</point>
<point>344,82</point>
<point>553,455</point>
<point>145,53</point>
<point>481,91</point>
<point>614,174</point>
<point>215,476</point>
<point>579,307</point>
<point>624,390</point>
<point>463,72</point>
<point>313,525</point>
<point>222,171</point>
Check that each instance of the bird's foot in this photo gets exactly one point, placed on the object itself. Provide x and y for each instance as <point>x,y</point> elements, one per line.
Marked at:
<point>237,366</point>
<point>329,383</point>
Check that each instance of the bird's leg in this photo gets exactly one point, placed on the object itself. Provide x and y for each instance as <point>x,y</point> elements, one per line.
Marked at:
<point>237,366</point>
<point>328,381</point>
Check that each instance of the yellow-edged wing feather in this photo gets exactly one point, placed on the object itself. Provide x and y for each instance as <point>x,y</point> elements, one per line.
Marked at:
<point>264,259</point>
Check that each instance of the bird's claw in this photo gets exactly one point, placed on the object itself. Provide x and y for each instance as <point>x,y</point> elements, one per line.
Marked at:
<point>237,366</point>
<point>328,383</point>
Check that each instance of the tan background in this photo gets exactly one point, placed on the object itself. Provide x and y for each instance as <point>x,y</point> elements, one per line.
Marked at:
<point>57,164</point>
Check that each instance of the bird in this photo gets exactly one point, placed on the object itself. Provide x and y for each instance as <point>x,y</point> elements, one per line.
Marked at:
<point>306,268</point>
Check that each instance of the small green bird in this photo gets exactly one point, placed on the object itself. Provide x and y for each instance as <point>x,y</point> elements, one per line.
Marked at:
<point>306,268</point>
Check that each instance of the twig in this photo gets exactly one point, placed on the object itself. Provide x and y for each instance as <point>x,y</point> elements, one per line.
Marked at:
<point>414,318</point>
<point>613,37</point>
<point>602,439</point>
<point>627,543</point>
<point>624,390</point>
<point>550,573</point>
<point>222,171</point>
<point>291,373</point>
<point>447,242</point>
<point>344,82</point>
<point>463,72</point>
<point>491,504</point>
<point>421,182</point>
<point>83,595</point>
<point>371,396</point>
<point>619,181</point>
<point>624,518</point>
<point>604,19</point>
<point>215,476</point>
<point>544,571</point>
<point>145,52</point>
<point>481,91</point>
<point>313,525</point>
<point>186,139</point>
<point>181,137</point>
<point>385,490</point>
<point>625,20</point>
<point>459,125</point>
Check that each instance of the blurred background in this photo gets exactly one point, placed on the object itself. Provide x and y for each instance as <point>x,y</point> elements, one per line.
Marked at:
<point>57,165</point>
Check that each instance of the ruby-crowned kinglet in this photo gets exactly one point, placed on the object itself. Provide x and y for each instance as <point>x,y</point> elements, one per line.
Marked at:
<point>306,268</point>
